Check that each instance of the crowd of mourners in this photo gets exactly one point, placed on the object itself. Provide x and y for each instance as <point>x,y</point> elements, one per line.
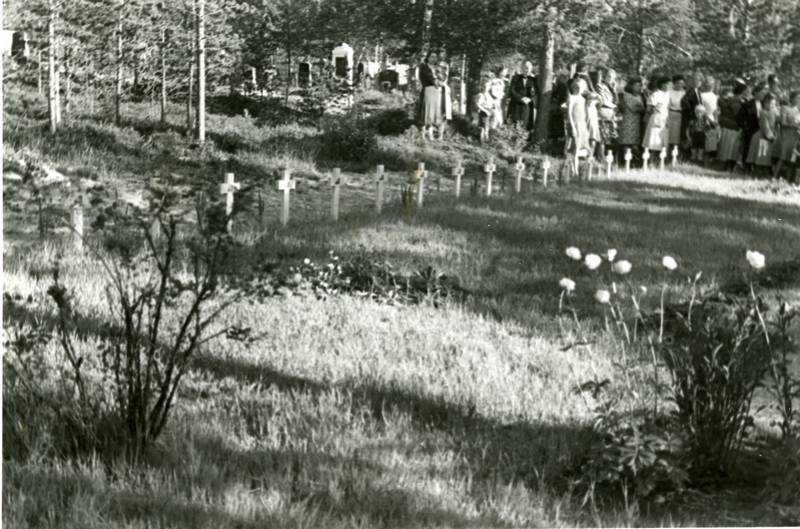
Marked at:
<point>748,125</point>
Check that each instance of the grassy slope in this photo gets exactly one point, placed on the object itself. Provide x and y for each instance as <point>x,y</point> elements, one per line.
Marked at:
<point>357,414</point>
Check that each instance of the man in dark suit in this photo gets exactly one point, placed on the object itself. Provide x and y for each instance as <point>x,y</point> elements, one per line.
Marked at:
<point>748,116</point>
<point>688,104</point>
<point>522,107</point>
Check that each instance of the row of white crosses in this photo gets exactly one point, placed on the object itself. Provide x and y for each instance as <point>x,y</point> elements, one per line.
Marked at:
<point>646,158</point>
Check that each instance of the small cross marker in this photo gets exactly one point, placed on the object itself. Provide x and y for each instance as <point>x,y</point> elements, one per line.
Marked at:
<point>286,184</point>
<point>420,176</point>
<point>489,169</point>
<point>76,219</point>
<point>662,156</point>
<point>228,189</point>
<point>458,172</point>
<point>545,169</point>
<point>628,158</point>
<point>380,179</point>
<point>609,161</point>
<point>674,156</point>
<point>336,182</point>
<point>645,158</point>
<point>520,167</point>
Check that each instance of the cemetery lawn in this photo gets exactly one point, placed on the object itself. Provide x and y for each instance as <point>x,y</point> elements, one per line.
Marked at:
<point>353,413</point>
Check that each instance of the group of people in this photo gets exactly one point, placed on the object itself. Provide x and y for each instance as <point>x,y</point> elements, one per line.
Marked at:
<point>754,126</point>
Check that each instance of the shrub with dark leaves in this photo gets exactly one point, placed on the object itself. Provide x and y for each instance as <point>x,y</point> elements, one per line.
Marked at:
<point>348,138</point>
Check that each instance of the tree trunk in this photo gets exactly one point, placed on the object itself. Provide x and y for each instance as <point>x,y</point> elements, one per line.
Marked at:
<point>462,87</point>
<point>58,90</point>
<point>288,75</point>
<point>163,53</point>
<point>189,99</point>
<point>640,51</point>
<point>474,67</point>
<point>52,95</point>
<point>546,81</point>
<point>119,57</point>
<point>39,86</point>
<point>425,27</point>
<point>67,84</point>
<point>201,71</point>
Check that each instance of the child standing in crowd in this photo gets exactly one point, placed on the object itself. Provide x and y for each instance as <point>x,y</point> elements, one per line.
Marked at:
<point>789,141</point>
<point>486,107</point>
<point>497,90</point>
<point>759,154</point>
<point>578,123</point>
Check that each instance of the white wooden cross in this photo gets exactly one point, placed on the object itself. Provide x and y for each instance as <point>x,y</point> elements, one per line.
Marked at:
<point>590,172</point>
<point>628,158</point>
<point>336,182</point>
<point>76,219</point>
<point>520,167</point>
<point>421,176</point>
<point>609,161</point>
<point>662,156</point>
<point>458,172</point>
<point>645,158</point>
<point>489,169</point>
<point>228,189</point>
<point>545,168</point>
<point>380,179</point>
<point>286,184</point>
<point>674,156</point>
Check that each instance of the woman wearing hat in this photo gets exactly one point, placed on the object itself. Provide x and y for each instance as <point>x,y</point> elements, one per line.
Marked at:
<point>730,136</point>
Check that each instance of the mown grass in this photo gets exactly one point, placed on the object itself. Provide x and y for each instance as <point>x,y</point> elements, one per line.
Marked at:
<point>352,413</point>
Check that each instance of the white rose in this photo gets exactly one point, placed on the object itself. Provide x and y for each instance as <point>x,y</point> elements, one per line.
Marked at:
<point>611,254</point>
<point>603,296</point>
<point>622,267</point>
<point>643,290</point>
<point>669,263</point>
<point>592,261</point>
<point>756,260</point>
<point>567,284</point>
<point>573,253</point>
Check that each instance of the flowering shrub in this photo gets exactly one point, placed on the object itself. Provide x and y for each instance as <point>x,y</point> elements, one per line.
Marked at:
<point>688,411</point>
<point>359,276</point>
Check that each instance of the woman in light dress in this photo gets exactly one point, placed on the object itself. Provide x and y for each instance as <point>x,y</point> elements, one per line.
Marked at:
<point>430,107</point>
<point>593,112</point>
<point>675,121</point>
<point>789,143</point>
<point>442,77</point>
<point>762,144</point>
<point>496,88</point>
<point>656,134</point>
<point>707,116</point>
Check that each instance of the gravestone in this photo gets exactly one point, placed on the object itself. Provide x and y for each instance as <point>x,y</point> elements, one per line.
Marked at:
<point>520,167</point>
<point>421,175</point>
<point>628,158</point>
<point>76,221</point>
<point>609,161</point>
<point>228,189</point>
<point>489,169</point>
<point>458,172</point>
<point>674,156</point>
<point>286,184</point>
<point>336,182</point>
<point>380,179</point>
<point>662,157</point>
<point>545,169</point>
<point>343,63</point>
<point>304,74</point>
<point>645,158</point>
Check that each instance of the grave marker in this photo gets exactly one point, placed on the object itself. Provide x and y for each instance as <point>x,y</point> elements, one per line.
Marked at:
<point>609,161</point>
<point>421,175</point>
<point>520,167</point>
<point>589,173</point>
<point>380,179</point>
<point>287,185</point>
<point>228,189</point>
<point>76,221</point>
<point>645,158</point>
<point>662,156</point>
<point>628,158</point>
<point>545,169</point>
<point>489,169</point>
<point>336,182</point>
<point>674,156</point>
<point>458,172</point>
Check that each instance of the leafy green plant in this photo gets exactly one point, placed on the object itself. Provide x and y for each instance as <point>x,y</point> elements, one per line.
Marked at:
<point>782,383</point>
<point>348,138</point>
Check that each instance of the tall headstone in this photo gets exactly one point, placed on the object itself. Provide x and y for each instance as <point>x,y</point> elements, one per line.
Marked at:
<point>380,180</point>
<point>304,74</point>
<point>458,173</point>
<point>343,63</point>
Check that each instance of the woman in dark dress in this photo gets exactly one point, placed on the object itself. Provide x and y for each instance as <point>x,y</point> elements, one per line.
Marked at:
<point>430,108</point>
